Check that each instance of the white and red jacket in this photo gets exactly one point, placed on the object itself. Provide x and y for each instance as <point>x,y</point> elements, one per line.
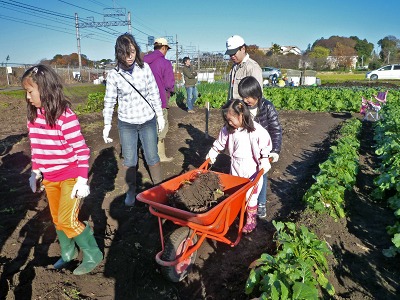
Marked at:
<point>60,152</point>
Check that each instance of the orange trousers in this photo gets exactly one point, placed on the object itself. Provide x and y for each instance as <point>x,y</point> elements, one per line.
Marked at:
<point>64,210</point>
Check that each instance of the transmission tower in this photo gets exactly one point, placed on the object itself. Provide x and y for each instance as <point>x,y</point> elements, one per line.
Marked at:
<point>108,13</point>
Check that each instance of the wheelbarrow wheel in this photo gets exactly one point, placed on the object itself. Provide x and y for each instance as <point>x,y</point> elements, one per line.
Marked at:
<point>175,245</point>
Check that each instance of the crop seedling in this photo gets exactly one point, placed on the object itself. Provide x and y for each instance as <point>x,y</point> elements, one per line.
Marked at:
<point>296,271</point>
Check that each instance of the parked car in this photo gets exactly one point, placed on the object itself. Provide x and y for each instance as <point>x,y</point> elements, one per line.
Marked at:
<point>267,72</point>
<point>385,72</point>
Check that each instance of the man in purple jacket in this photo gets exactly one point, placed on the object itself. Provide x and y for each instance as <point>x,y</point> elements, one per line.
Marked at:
<point>162,71</point>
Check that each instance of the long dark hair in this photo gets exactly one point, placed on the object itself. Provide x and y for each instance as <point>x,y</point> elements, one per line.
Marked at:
<point>123,49</point>
<point>53,100</point>
<point>250,87</point>
<point>238,107</point>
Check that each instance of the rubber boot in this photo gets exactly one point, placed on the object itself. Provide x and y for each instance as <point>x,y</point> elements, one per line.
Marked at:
<point>251,219</point>
<point>68,250</point>
<point>161,151</point>
<point>130,179</point>
<point>92,256</point>
<point>155,173</point>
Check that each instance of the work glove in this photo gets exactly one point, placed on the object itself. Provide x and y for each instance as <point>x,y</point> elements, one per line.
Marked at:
<point>34,180</point>
<point>274,157</point>
<point>80,189</point>
<point>161,123</point>
<point>106,133</point>
<point>265,164</point>
<point>212,155</point>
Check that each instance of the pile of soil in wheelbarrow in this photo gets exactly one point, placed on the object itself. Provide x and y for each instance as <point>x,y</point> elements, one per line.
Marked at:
<point>199,194</point>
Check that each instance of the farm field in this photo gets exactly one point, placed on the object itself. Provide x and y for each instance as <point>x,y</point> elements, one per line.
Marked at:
<point>129,237</point>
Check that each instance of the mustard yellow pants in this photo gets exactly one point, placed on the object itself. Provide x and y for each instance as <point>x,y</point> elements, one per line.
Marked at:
<point>64,210</point>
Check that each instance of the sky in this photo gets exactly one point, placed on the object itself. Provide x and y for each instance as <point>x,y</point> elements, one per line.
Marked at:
<point>32,30</point>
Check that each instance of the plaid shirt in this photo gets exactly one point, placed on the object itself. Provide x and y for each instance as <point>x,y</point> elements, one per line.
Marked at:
<point>132,108</point>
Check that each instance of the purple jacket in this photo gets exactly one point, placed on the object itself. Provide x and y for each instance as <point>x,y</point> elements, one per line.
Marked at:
<point>162,71</point>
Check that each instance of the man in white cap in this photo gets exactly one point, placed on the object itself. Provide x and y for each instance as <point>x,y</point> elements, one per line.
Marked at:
<point>164,75</point>
<point>243,65</point>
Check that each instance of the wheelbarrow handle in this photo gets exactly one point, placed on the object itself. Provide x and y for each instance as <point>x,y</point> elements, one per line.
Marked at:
<point>205,164</point>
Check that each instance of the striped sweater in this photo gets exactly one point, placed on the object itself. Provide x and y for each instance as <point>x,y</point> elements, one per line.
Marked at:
<point>60,152</point>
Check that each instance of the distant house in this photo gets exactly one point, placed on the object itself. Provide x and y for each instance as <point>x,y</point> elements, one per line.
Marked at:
<point>334,61</point>
<point>284,50</point>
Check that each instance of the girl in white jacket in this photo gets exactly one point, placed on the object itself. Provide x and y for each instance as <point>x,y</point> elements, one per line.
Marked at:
<point>248,145</point>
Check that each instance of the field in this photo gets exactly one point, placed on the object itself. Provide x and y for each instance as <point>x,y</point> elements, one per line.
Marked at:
<point>129,237</point>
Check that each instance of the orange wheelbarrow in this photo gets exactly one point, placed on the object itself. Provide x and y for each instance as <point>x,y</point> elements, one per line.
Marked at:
<point>179,251</point>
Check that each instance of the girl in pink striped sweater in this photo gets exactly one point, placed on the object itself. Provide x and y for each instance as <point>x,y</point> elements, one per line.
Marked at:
<point>60,157</point>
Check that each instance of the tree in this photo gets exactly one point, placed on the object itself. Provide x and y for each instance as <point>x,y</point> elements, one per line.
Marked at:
<point>256,54</point>
<point>319,52</point>
<point>389,48</point>
<point>364,50</point>
<point>275,49</point>
<point>332,42</point>
<point>344,55</point>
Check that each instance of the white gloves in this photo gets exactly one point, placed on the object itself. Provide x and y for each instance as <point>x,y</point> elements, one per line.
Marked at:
<point>33,180</point>
<point>106,133</point>
<point>80,189</point>
<point>212,155</point>
<point>265,164</point>
<point>274,156</point>
<point>161,123</point>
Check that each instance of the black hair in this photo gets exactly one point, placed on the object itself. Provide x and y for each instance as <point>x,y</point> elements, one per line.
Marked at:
<point>158,46</point>
<point>250,87</point>
<point>53,100</point>
<point>186,58</point>
<point>123,49</point>
<point>238,107</point>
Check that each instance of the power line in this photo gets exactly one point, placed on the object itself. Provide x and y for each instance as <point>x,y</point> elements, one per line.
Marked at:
<point>80,7</point>
<point>31,22</point>
<point>37,9</point>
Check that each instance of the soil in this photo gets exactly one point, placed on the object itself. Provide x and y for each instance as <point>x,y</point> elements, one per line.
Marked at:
<point>130,237</point>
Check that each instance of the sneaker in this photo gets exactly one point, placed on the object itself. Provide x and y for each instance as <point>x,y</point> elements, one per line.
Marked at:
<point>130,199</point>
<point>191,111</point>
<point>261,211</point>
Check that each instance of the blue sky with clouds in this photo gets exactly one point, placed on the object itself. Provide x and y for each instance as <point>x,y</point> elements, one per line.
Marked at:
<point>32,30</point>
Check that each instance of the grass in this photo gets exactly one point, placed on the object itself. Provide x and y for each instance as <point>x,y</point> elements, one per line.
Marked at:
<point>82,91</point>
<point>340,77</point>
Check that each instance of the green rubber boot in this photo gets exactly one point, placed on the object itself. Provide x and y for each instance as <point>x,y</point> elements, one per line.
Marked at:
<point>92,256</point>
<point>68,250</point>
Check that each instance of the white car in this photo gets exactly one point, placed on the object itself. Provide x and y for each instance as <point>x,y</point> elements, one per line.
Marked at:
<point>385,72</point>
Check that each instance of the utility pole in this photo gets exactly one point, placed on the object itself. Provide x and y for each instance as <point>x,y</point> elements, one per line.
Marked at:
<point>108,13</point>
<point>176,58</point>
<point>78,40</point>
<point>7,59</point>
<point>129,23</point>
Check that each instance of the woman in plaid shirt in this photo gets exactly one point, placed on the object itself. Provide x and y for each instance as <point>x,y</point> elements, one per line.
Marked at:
<point>133,85</point>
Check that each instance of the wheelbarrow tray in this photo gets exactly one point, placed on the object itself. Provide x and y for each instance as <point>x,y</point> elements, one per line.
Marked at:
<point>214,221</point>
<point>212,224</point>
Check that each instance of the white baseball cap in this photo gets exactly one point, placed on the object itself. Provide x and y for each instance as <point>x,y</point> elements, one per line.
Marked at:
<point>233,44</point>
<point>162,42</point>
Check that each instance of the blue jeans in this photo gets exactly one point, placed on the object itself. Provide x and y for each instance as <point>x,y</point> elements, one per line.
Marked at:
<point>192,94</point>
<point>129,135</point>
<point>262,197</point>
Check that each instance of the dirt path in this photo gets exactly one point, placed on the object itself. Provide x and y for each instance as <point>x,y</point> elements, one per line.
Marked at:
<point>130,236</point>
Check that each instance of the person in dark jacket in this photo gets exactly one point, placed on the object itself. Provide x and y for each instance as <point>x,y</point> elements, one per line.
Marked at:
<point>264,113</point>
<point>190,76</point>
<point>164,75</point>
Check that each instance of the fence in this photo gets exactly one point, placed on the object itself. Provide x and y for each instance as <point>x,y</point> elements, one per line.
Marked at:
<point>69,75</point>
